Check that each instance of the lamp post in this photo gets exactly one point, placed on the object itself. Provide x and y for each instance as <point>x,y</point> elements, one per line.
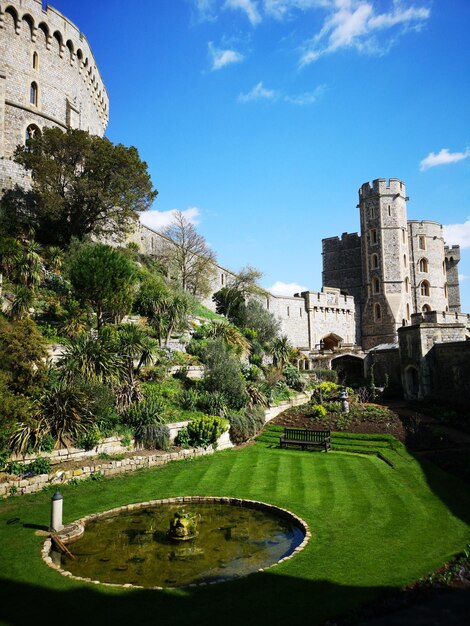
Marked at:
<point>343,396</point>
<point>56,511</point>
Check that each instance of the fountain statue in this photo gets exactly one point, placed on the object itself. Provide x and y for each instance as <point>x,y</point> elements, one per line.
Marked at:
<point>183,526</point>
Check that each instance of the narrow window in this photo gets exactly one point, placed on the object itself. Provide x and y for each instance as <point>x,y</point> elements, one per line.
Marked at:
<point>445,291</point>
<point>377,312</point>
<point>376,285</point>
<point>373,236</point>
<point>422,242</point>
<point>425,288</point>
<point>33,94</point>
<point>375,261</point>
<point>443,267</point>
<point>407,285</point>
<point>389,210</point>
<point>403,236</point>
<point>423,265</point>
<point>404,260</point>
<point>288,311</point>
<point>221,279</point>
<point>407,311</point>
<point>35,60</point>
<point>300,312</point>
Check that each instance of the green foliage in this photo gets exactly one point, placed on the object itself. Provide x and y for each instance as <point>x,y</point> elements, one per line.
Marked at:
<point>324,391</point>
<point>325,374</point>
<point>280,350</point>
<point>147,412</point>
<point>104,278</point>
<point>228,302</point>
<point>318,412</point>
<point>152,436</point>
<point>205,431</point>
<point>293,377</point>
<point>223,374</point>
<point>245,424</point>
<point>81,184</point>
<point>92,359</point>
<point>41,465</point>
<point>255,317</point>
<point>88,440</point>
<point>183,439</point>
<point>188,399</point>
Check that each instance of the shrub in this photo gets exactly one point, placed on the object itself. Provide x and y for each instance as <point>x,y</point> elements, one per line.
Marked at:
<point>183,439</point>
<point>293,377</point>
<point>223,374</point>
<point>246,424</point>
<point>204,431</point>
<point>188,399</point>
<point>325,374</point>
<point>146,412</point>
<point>318,412</point>
<point>88,440</point>
<point>151,436</point>
<point>41,465</point>
<point>324,391</point>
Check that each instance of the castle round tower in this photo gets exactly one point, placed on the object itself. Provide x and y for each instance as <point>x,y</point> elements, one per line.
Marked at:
<point>48,77</point>
<point>387,293</point>
<point>428,266</point>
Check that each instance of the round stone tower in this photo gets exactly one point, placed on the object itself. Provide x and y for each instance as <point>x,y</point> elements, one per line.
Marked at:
<point>387,293</point>
<point>48,77</point>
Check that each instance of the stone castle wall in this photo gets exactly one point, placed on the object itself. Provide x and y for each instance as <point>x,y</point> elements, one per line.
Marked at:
<point>42,49</point>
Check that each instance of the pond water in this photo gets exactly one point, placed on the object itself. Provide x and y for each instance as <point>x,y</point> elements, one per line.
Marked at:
<point>133,547</point>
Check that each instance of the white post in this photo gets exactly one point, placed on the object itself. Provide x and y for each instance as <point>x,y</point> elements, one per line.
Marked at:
<point>56,512</point>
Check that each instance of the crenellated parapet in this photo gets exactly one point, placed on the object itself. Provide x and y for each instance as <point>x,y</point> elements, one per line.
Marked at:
<point>380,187</point>
<point>48,77</point>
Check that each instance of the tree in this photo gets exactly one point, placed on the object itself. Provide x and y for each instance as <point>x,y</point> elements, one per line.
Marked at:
<point>280,350</point>
<point>81,184</point>
<point>230,300</point>
<point>104,278</point>
<point>187,257</point>
<point>167,310</point>
<point>253,315</point>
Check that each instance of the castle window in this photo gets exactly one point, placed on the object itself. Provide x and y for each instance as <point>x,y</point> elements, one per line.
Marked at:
<point>423,265</point>
<point>403,235</point>
<point>31,131</point>
<point>267,303</point>
<point>407,311</point>
<point>407,285</point>
<point>404,260</point>
<point>374,261</point>
<point>288,311</point>
<point>389,210</point>
<point>377,312</point>
<point>445,291</point>
<point>300,312</point>
<point>372,211</point>
<point>443,267</point>
<point>33,94</point>
<point>426,308</point>
<point>221,279</point>
<point>422,242</point>
<point>376,285</point>
<point>373,236</point>
<point>35,61</point>
<point>424,288</point>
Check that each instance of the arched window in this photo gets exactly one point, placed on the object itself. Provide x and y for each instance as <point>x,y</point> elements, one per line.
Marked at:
<point>407,285</point>
<point>376,285</point>
<point>33,94</point>
<point>31,132</point>
<point>426,308</point>
<point>443,267</point>
<point>373,236</point>
<point>407,311</point>
<point>425,288</point>
<point>377,312</point>
<point>446,294</point>
<point>423,265</point>
<point>374,260</point>
<point>422,242</point>
<point>35,61</point>
<point>404,260</point>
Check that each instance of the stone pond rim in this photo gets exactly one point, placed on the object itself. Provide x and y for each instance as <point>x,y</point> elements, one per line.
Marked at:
<point>73,531</point>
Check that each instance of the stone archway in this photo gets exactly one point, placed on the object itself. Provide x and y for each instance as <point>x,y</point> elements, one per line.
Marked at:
<point>412,382</point>
<point>350,369</point>
<point>331,341</point>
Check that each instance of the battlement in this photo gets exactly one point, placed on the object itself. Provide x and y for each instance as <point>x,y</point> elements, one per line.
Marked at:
<point>59,31</point>
<point>438,317</point>
<point>335,244</point>
<point>452,254</point>
<point>379,187</point>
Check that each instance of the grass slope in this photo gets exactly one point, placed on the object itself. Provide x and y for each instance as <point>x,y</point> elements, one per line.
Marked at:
<point>374,528</point>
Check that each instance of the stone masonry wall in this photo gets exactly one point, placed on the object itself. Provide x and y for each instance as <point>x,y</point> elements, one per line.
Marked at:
<point>42,47</point>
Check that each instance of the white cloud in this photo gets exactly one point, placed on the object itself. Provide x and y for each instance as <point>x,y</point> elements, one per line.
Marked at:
<point>354,24</point>
<point>442,158</point>
<point>221,58</point>
<point>458,234</point>
<point>249,7</point>
<point>281,9</point>
<point>462,277</point>
<point>306,98</point>
<point>206,10</point>
<point>158,220</point>
<point>285,289</point>
<point>258,93</point>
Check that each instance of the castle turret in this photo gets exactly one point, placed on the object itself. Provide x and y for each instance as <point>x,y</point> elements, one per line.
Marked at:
<point>386,294</point>
<point>452,258</point>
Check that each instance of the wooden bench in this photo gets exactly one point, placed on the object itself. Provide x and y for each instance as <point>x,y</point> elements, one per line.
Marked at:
<point>306,438</point>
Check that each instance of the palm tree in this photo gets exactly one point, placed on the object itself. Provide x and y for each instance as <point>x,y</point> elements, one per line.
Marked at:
<point>23,300</point>
<point>91,358</point>
<point>280,350</point>
<point>230,335</point>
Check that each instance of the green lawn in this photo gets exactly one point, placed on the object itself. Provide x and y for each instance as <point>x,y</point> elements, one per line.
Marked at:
<point>375,528</point>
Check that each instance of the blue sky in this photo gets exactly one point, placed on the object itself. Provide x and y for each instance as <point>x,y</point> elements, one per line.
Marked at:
<point>262,118</point>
